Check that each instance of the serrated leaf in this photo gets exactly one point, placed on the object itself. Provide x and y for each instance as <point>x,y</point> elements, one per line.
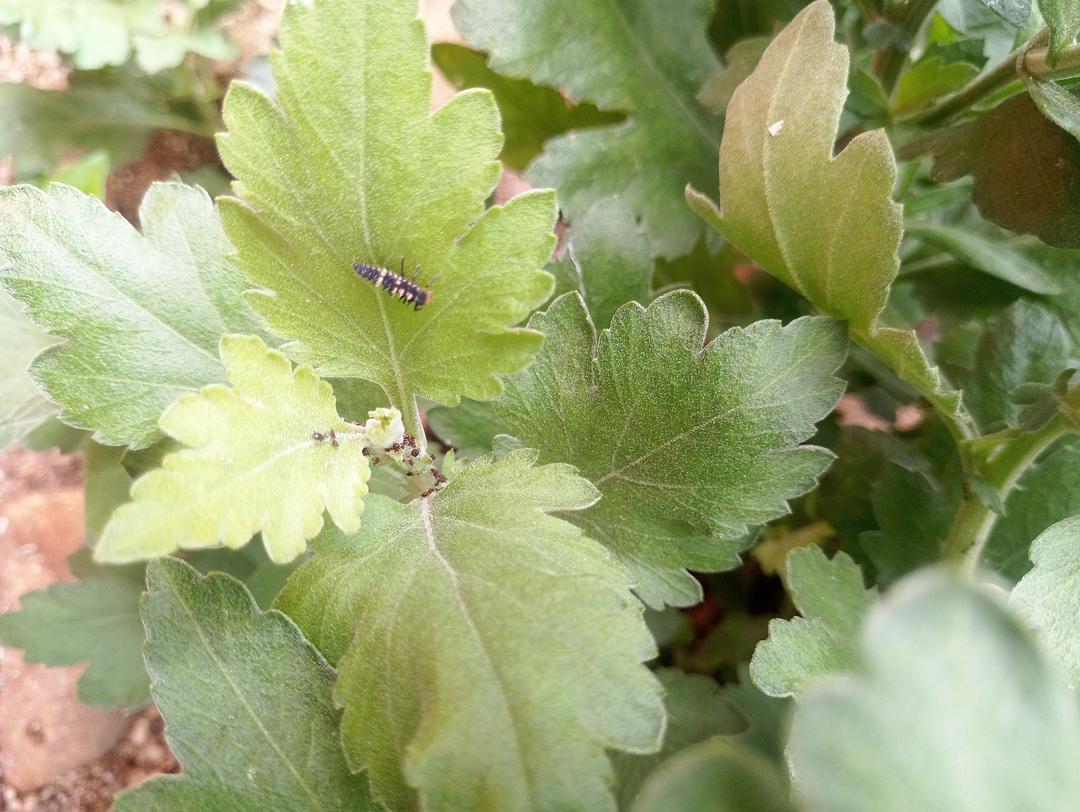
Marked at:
<point>349,166</point>
<point>94,620</point>
<point>247,702</point>
<point>1025,343</point>
<point>140,313</point>
<point>252,465</point>
<point>642,57</point>
<point>739,62</point>
<point>697,710</point>
<point>718,775</point>
<point>96,33</point>
<point>956,709</point>
<point>487,651</point>
<point>1046,493</point>
<point>826,226</point>
<point>832,600</point>
<point>1063,17</point>
<point>690,445</point>
<point>530,114</point>
<point>606,260</point>
<point>1047,596</point>
<point>22,406</point>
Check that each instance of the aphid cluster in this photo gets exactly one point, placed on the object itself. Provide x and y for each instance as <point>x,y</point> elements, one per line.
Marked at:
<point>395,283</point>
<point>406,452</point>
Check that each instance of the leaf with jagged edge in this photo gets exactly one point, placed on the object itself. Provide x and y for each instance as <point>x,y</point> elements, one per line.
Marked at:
<point>93,620</point>
<point>826,226</point>
<point>253,463</point>
<point>832,600</point>
<point>954,708</point>
<point>246,700</point>
<point>645,58</point>
<point>141,313</point>
<point>1048,595</point>
<point>690,444</point>
<point>98,33</point>
<point>487,652</point>
<point>348,165</point>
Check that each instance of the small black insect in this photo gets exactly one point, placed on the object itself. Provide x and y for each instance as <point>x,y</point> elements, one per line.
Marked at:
<point>395,283</point>
<point>317,436</point>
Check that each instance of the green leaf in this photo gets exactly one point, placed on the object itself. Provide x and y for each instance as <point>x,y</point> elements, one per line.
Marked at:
<point>1013,11</point>
<point>89,175</point>
<point>994,257</point>
<point>93,620</point>
<point>697,709</point>
<point>252,464</point>
<point>530,114</point>
<point>108,486</point>
<point>1063,17</point>
<point>1048,492</point>
<point>690,445</point>
<point>826,226</point>
<point>718,775</point>
<point>22,407</point>
<point>1026,343</point>
<point>645,58</point>
<point>956,709</point>
<point>96,33</point>
<point>1026,169</point>
<point>347,166</point>
<point>111,111</point>
<point>470,427</point>
<point>606,260</point>
<point>832,600</point>
<point>487,653</point>
<point>247,703</point>
<point>142,313</point>
<point>739,63</point>
<point>1048,597</point>
<point>929,79</point>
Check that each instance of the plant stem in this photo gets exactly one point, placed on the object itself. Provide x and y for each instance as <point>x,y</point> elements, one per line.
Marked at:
<point>410,418</point>
<point>1030,59</point>
<point>974,521</point>
<point>887,63</point>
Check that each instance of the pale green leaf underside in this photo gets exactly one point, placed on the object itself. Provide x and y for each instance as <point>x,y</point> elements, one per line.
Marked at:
<point>94,620</point>
<point>251,465</point>
<point>98,33</point>
<point>955,709</point>
<point>141,313</point>
<point>1048,597</point>
<point>830,596</point>
<point>690,445</point>
<point>247,702</point>
<point>488,653</point>
<point>826,226</point>
<point>22,407</point>
<point>348,165</point>
<point>641,57</point>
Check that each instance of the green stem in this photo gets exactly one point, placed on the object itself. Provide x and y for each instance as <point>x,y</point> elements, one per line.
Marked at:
<point>1030,59</point>
<point>410,418</point>
<point>974,521</point>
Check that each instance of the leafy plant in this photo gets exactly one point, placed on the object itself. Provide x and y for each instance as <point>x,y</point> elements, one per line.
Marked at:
<point>602,534</point>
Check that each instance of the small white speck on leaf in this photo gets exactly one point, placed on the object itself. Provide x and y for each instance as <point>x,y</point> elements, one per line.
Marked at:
<point>776,127</point>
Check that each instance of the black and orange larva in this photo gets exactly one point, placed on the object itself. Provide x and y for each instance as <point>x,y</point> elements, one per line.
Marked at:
<point>395,283</point>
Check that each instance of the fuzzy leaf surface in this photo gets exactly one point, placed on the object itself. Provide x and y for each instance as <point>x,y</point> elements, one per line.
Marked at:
<point>956,708</point>
<point>348,165</point>
<point>488,652</point>
<point>251,465</point>
<point>142,313</point>
<point>1063,17</point>
<point>690,445</point>
<point>247,701</point>
<point>832,600</point>
<point>22,407</point>
<point>94,620</point>
<point>826,226</point>
<point>644,58</point>
<point>1048,595</point>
